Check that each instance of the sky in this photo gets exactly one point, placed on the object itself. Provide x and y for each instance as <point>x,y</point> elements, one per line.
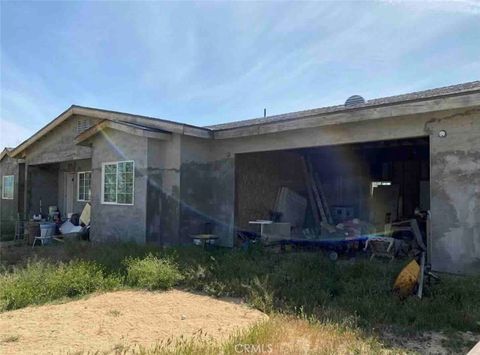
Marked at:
<point>213,62</point>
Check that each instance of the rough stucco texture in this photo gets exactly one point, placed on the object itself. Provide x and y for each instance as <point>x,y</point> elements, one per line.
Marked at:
<point>59,145</point>
<point>163,191</point>
<point>117,222</point>
<point>208,197</point>
<point>8,208</point>
<point>455,193</point>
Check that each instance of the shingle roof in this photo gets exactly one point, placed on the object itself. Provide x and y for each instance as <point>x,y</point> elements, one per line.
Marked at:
<point>160,125</point>
<point>414,96</point>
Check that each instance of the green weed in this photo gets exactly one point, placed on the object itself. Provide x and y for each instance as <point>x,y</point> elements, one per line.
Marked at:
<point>152,273</point>
<point>40,282</point>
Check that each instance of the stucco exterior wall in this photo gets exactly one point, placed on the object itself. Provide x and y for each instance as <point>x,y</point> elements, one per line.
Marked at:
<point>163,190</point>
<point>58,145</point>
<point>376,130</point>
<point>455,173</point>
<point>9,208</point>
<point>455,192</point>
<point>118,222</point>
<point>207,191</point>
<point>196,189</point>
<point>183,183</point>
<point>221,168</point>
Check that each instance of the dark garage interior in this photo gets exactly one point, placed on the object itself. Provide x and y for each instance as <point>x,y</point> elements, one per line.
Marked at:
<point>374,183</point>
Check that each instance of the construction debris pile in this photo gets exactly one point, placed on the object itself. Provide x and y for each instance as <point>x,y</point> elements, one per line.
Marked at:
<point>306,219</point>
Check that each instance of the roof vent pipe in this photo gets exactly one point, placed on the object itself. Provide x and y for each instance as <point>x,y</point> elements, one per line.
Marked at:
<point>354,101</point>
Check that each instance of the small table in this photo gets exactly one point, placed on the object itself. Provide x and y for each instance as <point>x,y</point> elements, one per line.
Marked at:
<point>204,238</point>
<point>262,222</point>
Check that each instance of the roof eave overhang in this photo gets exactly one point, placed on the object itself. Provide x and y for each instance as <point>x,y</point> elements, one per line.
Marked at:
<point>164,125</point>
<point>434,104</point>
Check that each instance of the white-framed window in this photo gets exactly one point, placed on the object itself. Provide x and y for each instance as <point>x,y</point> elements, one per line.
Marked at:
<point>118,180</point>
<point>84,186</point>
<point>8,183</point>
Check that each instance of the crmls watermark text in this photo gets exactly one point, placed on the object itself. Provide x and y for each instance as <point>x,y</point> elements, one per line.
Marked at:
<point>254,348</point>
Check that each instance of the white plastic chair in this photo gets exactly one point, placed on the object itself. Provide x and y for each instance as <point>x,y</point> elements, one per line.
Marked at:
<point>44,239</point>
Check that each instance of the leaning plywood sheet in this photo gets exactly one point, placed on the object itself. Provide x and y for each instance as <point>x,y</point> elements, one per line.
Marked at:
<point>292,206</point>
<point>85,216</point>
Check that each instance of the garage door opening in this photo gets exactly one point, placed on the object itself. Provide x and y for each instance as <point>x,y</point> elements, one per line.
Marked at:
<point>376,183</point>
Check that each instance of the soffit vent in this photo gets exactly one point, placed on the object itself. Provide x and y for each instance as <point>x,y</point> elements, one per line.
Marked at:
<point>354,101</point>
<point>83,124</point>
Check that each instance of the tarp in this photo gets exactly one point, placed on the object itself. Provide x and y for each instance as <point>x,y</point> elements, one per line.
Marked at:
<point>69,227</point>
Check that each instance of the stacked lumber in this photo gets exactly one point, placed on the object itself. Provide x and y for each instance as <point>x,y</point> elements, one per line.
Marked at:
<point>316,195</point>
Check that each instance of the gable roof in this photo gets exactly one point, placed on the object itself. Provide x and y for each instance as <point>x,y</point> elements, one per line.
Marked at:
<point>153,123</point>
<point>5,152</point>
<point>227,130</point>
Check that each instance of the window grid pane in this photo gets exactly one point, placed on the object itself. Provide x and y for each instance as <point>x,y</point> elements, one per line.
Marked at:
<point>8,187</point>
<point>110,183</point>
<point>84,186</point>
<point>118,183</point>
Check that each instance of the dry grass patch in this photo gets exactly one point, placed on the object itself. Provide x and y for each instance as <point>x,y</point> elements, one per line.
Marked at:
<point>278,335</point>
<point>122,319</point>
<point>288,335</point>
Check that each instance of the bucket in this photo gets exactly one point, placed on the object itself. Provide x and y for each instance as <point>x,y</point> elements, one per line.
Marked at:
<point>47,229</point>
<point>33,230</point>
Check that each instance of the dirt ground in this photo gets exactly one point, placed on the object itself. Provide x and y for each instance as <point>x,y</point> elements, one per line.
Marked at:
<point>106,321</point>
<point>433,342</point>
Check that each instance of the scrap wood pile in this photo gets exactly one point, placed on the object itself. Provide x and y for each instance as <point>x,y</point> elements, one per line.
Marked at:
<point>325,226</point>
